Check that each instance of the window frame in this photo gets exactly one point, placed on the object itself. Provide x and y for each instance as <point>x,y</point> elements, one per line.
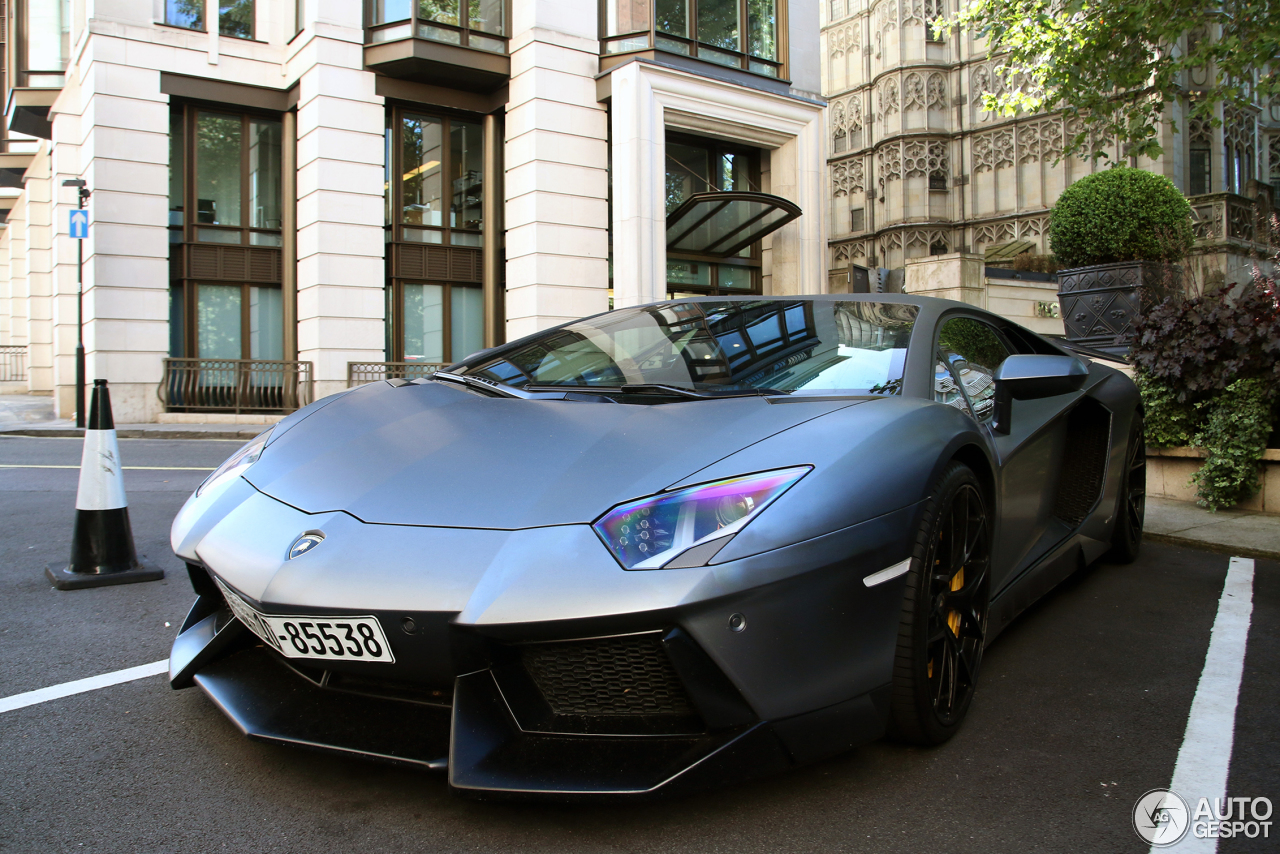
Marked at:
<point>204,25</point>
<point>190,152</point>
<point>190,308</point>
<point>395,185</point>
<point>624,43</point>
<point>253,23</point>
<point>415,23</point>
<point>755,261</point>
<point>394,230</point>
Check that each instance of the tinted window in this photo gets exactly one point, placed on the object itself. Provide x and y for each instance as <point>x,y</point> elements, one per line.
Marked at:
<point>972,350</point>
<point>819,346</point>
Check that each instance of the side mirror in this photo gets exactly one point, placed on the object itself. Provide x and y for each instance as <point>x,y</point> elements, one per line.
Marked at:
<point>1031,377</point>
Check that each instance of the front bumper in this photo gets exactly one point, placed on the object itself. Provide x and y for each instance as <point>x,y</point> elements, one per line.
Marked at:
<point>594,681</point>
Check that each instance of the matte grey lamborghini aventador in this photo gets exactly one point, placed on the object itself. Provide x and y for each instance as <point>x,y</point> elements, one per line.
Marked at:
<point>658,548</point>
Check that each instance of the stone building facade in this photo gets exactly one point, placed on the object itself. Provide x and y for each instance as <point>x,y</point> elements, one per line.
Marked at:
<point>917,167</point>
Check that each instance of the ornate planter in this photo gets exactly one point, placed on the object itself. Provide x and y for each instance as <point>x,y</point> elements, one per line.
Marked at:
<point>1099,303</point>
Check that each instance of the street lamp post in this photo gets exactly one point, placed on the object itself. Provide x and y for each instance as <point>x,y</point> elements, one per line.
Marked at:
<point>82,196</point>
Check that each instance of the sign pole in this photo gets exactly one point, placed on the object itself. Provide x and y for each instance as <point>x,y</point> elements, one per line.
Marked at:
<point>79,229</point>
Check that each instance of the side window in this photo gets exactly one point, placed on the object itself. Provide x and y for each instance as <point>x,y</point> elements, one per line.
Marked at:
<point>972,350</point>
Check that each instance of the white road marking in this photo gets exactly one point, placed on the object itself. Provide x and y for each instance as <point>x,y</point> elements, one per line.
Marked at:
<point>126,468</point>
<point>1205,756</point>
<point>79,686</point>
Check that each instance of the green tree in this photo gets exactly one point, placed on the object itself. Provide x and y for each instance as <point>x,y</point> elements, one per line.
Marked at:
<point>1118,64</point>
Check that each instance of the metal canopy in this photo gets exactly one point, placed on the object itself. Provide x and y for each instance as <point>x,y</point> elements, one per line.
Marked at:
<point>725,223</point>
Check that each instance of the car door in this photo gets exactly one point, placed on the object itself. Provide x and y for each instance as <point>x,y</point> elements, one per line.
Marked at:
<point>969,350</point>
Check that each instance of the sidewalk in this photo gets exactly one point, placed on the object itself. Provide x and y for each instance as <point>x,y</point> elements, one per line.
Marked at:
<point>32,415</point>
<point>1242,533</point>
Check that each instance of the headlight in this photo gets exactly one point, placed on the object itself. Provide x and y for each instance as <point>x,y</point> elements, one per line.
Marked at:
<point>696,522</point>
<point>237,463</point>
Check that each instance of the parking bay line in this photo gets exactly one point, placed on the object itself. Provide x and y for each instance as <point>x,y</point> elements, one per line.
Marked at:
<point>125,468</point>
<point>1205,756</point>
<point>79,686</point>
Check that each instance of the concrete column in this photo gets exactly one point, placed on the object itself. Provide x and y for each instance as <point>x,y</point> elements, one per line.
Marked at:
<point>39,273</point>
<point>17,231</point>
<point>124,139</point>
<point>797,172</point>
<point>341,273</point>
<point>639,196</point>
<point>557,183</point>
<point>66,165</point>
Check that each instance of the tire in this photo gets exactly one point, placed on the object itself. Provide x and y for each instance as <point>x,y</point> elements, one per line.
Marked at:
<point>944,612</point>
<point>1131,503</point>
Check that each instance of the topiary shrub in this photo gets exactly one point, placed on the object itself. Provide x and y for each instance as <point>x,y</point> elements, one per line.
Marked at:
<point>1120,214</point>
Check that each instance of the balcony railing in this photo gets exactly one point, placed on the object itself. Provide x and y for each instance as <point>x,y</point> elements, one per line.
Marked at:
<point>235,385</point>
<point>13,364</point>
<point>359,373</point>
<point>1223,217</point>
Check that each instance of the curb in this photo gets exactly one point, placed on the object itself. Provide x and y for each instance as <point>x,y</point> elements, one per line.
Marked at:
<point>1206,546</point>
<point>73,433</point>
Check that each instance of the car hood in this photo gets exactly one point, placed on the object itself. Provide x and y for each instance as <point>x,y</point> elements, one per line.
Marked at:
<point>436,454</point>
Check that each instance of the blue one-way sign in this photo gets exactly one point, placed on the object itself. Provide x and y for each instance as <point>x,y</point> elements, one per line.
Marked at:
<point>79,225</point>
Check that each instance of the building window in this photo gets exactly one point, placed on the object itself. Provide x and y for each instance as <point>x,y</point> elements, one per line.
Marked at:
<point>225,209</point>
<point>235,18</point>
<point>1200,160</point>
<point>237,179</point>
<point>299,15</point>
<point>188,14</point>
<point>434,197</point>
<point>479,24</point>
<point>696,166</point>
<point>735,33</point>
<point>44,43</point>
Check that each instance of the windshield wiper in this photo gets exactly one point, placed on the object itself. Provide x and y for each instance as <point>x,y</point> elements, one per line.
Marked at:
<point>666,390</point>
<point>484,384</point>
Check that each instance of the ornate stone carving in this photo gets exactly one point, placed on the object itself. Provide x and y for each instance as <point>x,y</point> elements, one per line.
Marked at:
<point>984,158</point>
<point>939,168</point>
<point>1275,108</point>
<point>839,134</point>
<point>848,251</point>
<point>1273,154</point>
<point>994,232</point>
<point>915,159</point>
<point>1033,228</point>
<point>1051,139</point>
<point>937,92</point>
<point>1200,132</point>
<point>913,13</point>
<point>1002,143</point>
<point>1239,130</point>
<point>1028,143</point>
<point>889,163</point>
<point>913,92</point>
<point>887,98</point>
<point>921,242</point>
<point>848,179</point>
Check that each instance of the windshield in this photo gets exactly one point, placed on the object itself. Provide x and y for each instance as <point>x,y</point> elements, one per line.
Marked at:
<point>721,347</point>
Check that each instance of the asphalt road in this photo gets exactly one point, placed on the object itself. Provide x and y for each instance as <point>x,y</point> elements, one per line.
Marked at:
<point>1081,708</point>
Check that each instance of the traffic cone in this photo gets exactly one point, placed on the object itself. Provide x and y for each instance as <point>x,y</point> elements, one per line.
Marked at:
<point>102,549</point>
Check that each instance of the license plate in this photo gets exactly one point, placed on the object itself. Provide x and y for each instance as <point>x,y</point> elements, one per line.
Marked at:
<point>323,638</point>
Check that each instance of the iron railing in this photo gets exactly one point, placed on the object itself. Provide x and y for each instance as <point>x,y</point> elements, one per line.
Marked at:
<point>359,373</point>
<point>235,385</point>
<point>13,363</point>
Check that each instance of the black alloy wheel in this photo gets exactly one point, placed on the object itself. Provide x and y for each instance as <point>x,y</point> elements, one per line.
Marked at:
<point>1131,503</point>
<point>944,612</point>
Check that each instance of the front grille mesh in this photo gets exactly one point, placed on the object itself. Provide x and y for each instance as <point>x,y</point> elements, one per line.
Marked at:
<point>628,675</point>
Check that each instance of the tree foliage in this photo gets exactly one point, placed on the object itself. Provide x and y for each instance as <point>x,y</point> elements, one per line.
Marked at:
<point>1117,64</point>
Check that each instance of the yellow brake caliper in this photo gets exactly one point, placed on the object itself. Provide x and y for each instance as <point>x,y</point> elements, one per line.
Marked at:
<point>953,617</point>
